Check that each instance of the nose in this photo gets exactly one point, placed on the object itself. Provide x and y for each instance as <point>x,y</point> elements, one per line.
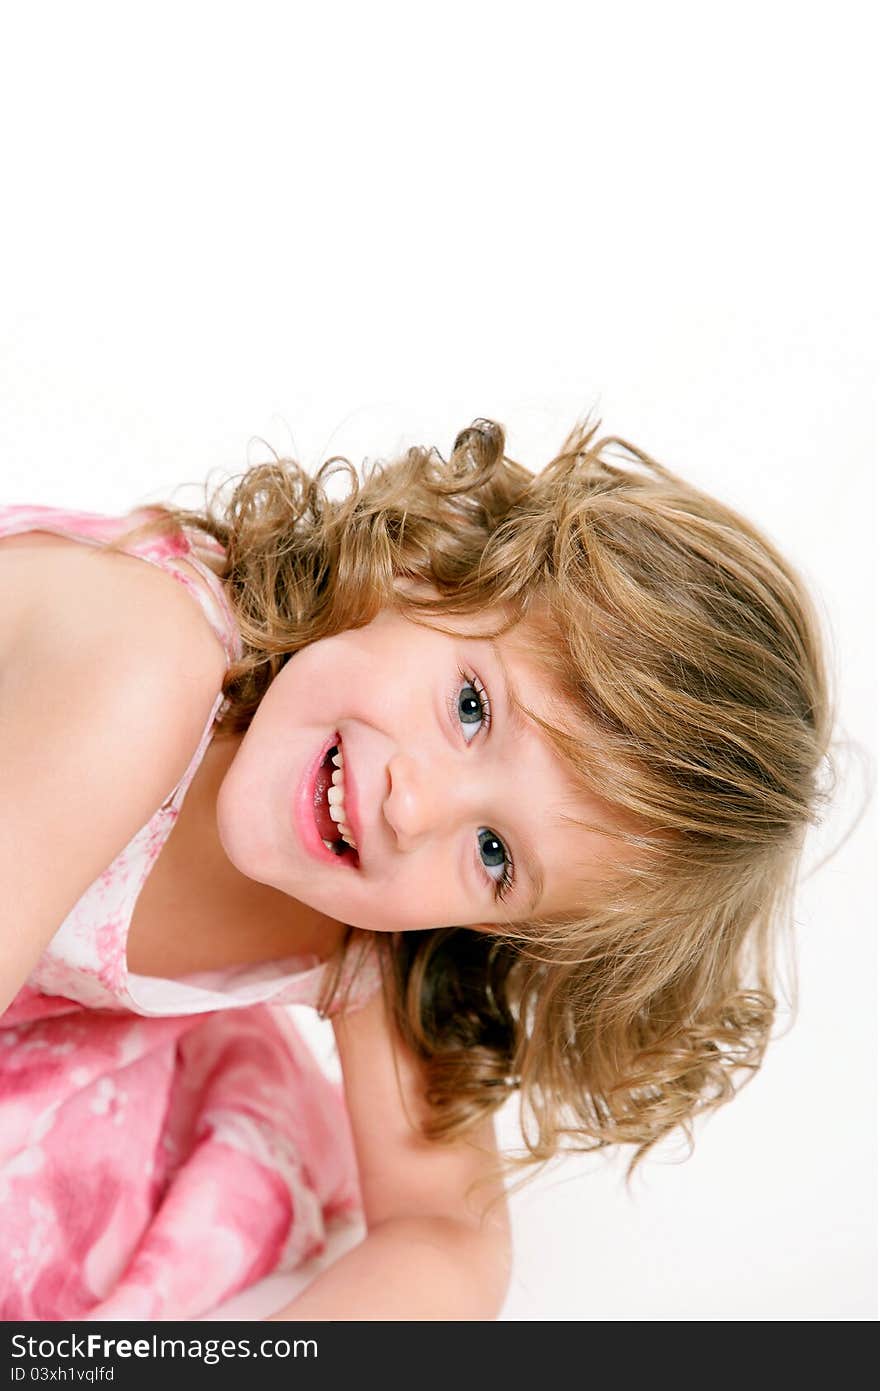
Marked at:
<point>426,798</point>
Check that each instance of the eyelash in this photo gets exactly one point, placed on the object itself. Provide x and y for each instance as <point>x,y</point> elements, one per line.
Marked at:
<point>502,886</point>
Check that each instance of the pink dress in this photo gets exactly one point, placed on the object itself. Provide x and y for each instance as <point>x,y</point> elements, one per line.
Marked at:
<point>163,1143</point>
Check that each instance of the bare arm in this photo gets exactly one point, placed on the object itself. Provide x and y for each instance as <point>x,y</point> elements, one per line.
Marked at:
<point>409,1268</point>
<point>431,1250</point>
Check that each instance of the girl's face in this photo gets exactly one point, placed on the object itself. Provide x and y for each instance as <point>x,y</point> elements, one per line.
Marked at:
<point>447,797</point>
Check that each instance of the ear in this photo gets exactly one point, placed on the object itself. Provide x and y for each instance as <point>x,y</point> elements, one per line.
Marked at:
<point>413,588</point>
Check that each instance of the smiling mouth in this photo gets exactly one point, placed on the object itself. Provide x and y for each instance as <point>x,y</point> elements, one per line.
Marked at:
<point>328,805</point>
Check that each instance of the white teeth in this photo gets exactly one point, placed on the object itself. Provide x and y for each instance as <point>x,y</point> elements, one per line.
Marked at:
<point>336,799</point>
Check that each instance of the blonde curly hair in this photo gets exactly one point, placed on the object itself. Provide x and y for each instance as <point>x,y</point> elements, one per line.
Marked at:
<point>693,652</point>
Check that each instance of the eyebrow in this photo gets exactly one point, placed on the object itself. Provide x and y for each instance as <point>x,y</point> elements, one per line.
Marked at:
<point>518,728</point>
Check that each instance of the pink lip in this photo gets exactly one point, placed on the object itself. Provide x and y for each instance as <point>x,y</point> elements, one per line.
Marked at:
<point>303,810</point>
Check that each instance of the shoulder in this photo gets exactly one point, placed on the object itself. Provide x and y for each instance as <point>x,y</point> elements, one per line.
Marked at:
<point>111,652</point>
<point>59,593</point>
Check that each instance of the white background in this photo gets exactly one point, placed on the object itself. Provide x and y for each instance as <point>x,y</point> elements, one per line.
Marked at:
<point>347,228</point>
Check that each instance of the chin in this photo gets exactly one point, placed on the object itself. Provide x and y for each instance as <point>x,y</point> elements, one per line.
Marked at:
<point>238,847</point>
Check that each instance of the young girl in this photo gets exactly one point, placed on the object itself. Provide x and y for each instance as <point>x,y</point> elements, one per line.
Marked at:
<point>506,774</point>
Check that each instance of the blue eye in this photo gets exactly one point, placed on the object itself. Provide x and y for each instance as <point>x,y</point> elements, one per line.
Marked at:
<point>473,708</point>
<point>470,706</point>
<point>498,859</point>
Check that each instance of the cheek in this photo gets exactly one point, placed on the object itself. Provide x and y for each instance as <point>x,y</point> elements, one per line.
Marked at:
<point>332,677</point>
